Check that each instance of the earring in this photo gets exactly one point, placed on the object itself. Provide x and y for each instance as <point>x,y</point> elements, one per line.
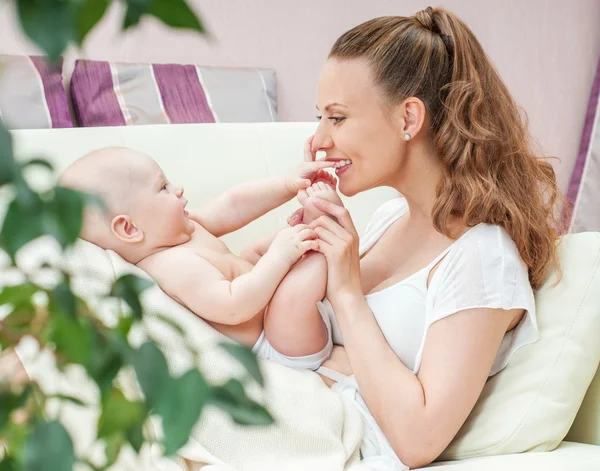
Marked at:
<point>407,136</point>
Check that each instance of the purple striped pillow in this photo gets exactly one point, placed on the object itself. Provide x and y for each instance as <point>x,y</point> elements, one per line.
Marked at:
<point>119,94</point>
<point>32,95</point>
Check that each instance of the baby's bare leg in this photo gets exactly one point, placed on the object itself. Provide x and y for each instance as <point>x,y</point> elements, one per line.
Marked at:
<point>293,324</point>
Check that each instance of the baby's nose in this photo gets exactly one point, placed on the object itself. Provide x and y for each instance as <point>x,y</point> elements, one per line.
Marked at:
<point>179,191</point>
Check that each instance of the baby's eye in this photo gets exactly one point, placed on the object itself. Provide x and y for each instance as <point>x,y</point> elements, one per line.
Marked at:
<point>164,187</point>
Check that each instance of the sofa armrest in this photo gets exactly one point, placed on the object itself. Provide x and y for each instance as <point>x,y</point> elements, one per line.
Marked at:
<point>567,456</point>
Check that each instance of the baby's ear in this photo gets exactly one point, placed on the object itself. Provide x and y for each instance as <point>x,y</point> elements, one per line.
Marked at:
<point>123,227</point>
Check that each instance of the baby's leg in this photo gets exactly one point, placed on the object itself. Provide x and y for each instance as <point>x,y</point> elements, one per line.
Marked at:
<point>293,324</point>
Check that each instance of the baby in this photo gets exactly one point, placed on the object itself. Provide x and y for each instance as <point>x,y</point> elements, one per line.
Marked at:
<point>266,298</point>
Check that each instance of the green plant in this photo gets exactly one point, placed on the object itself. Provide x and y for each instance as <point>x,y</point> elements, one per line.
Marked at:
<point>65,324</point>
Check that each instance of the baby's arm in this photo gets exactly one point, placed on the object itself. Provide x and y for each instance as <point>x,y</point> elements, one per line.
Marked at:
<point>257,249</point>
<point>243,204</point>
<point>248,201</point>
<point>197,284</point>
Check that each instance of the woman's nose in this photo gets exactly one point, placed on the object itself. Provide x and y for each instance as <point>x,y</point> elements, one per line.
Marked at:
<point>322,139</point>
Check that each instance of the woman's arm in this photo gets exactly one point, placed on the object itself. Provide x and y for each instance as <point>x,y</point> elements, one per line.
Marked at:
<point>419,414</point>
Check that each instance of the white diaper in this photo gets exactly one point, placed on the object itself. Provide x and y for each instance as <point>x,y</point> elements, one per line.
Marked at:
<point>263,349</point>
<point>377,453</point>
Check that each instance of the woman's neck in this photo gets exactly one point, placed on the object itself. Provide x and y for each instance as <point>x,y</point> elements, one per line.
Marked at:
<point>418,180</point>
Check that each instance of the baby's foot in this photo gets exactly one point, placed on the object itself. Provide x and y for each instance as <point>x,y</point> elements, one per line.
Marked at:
<point>320,189</point>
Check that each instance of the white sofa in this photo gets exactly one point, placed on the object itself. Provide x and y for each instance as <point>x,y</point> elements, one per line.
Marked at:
<point>207,159</point>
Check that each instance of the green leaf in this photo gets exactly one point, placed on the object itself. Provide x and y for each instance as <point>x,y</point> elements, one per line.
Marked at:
<point>49,23</point>
<point>179,406</point>
<point>152,372</point>
<point>113,448</point>
<point>72,336</point>
<point>63,215</point>
<point>9,464</point>
<point>124,325</point>
<point>10,402</point>
<point>19,296</point>
<point>65,299</point>
<point>135,436</point>
<point>39,163</point>
<point>87,14</point>
<point>118,414</point>
<point>8,166</point>
<point>246,357</point>
<point>177,14</point>
<point>49,443</point>
<point>106,360</point>
<point>67,398</point>
<point>233,400</point>
<point>14,437</point>
<point>18,323</point>
<point>22,224</point>
<point>27,197</point>
<point>129,288</point>
<point>135,10</point>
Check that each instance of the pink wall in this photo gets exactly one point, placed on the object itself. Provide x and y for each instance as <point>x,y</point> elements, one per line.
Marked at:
<point>546,51</point>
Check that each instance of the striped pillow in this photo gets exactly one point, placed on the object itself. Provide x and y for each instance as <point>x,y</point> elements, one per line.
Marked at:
<point>32,95</point>
<point>119,94</point>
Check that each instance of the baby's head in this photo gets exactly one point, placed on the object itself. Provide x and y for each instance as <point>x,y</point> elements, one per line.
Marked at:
<point>143,212</point>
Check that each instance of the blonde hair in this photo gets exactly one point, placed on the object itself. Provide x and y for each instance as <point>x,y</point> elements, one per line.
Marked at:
<point>490,173</point>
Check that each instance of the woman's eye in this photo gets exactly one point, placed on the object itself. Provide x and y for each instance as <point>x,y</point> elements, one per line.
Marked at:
<point>319,118</point>
<point>337,119</point>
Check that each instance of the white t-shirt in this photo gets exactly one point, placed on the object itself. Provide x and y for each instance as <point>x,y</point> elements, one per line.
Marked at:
<point>481,269</point>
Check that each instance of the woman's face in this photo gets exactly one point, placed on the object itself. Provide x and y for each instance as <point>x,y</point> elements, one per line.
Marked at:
<point>355,127</point>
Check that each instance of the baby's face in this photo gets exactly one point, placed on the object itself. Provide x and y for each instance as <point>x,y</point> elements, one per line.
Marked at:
<point>157,206</point>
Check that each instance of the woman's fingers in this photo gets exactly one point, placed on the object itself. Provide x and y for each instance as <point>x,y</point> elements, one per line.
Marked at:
<point>339,212</point>
<point>302,184</point>
<point>332,226</point>
<point>309,155</point>
<point>326,235</point>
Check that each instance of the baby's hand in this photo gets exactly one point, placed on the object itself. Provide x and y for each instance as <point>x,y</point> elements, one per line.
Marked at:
<point>293,242</point>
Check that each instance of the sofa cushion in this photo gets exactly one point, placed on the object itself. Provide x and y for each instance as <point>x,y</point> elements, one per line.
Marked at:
<point>586,428</point>
<point>119,94</point>
<point>32,94</point>
<point>531,404</point>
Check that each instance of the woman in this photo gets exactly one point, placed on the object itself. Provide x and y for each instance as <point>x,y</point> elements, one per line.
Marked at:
<point>439,292</point>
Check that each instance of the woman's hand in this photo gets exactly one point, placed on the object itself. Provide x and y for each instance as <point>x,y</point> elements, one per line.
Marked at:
<point>309,171</point>
<point>338,241</point>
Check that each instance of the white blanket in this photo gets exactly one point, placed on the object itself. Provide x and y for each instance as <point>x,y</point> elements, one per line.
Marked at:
<point>315,428</point>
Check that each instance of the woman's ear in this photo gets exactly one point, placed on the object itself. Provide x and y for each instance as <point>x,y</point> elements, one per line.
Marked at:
<point>123,227</point>
<point>411,117</point>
